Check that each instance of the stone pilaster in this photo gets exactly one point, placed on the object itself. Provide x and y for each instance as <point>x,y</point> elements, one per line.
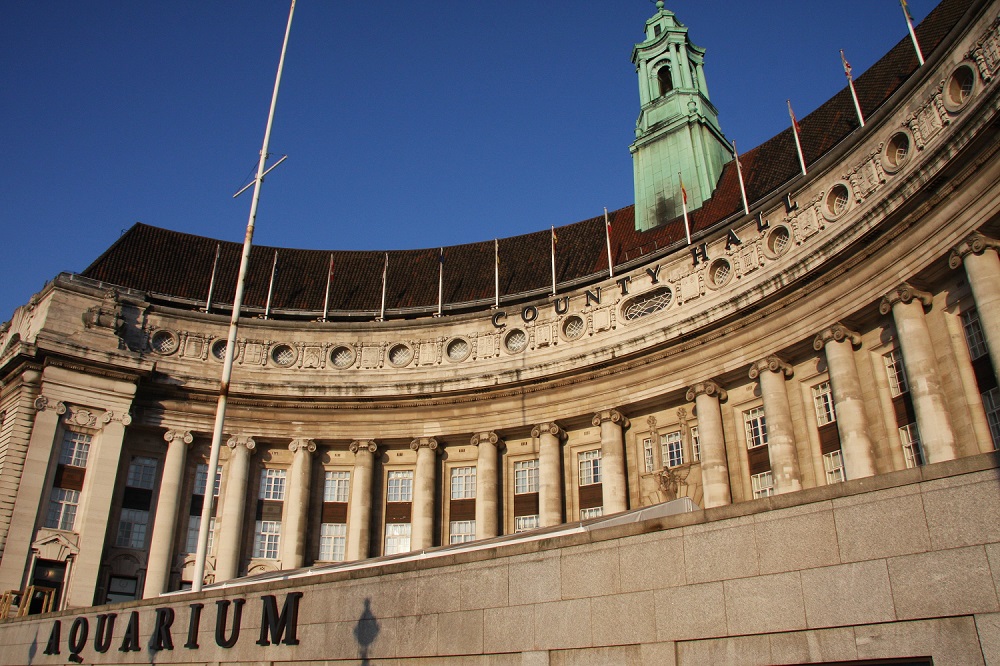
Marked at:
<point>849,403</point>
<point>232,529</point>
<point>360,508</point>
<point>293,532</point>
<point>487,523</point>
<point>714,465</point>
<point>422,518</point>
<point>937,438</point>
<point>550,488</point>
<point>613,424</point>
<point>770,372</point>
<point>161,544</point>
<point>982,266</point>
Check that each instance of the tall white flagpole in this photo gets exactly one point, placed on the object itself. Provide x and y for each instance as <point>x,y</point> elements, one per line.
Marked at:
<point>329,279</point>
<point>684,207</point>
<point>496,270</point>
<point>850,83</point>
<point>385,275</point>
<point>607,235</point>
<point>270,286</point>
<point>798,142</point>
<point>208,507</point>
<point>739,174</point>
<point>913,34</point>
<point>440,280</point>
<point>211,283</point>
<point>553,261</point>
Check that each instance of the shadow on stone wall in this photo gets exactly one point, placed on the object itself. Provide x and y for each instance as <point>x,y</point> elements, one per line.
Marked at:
<point>366,631</point>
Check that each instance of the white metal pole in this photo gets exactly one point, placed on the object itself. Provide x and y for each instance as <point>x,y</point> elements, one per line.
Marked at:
<point>211,283</point>
<point>385,278</point>
<point>208,508</point>
<point>496,270</point>
<point>607,236</point>
<point>553,261</point>
<point>739,175</point>
<point>913,34</point>
<point>329,279</point>
<point>270,286</point>
<point>440,280</point>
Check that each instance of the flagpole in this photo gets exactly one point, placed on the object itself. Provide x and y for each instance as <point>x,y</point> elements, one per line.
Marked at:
<point>211,283</point>
<point>684,207</point>
<point>440,279</point>
<point>496,270</point>
<point>270,286</point>
<point>913,34</point>
<point>607,235</point>
<point>208,507</point>
<point>385,274</point>
<point>739,174</point>
<point>553,261</point>
<point>329,279</point>
<point>850,83</point>
<point>798,142</point>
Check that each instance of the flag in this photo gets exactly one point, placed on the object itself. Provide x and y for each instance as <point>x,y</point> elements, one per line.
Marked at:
<point>850,84</point>
<point>906,10</point>
<point>796,130</point>
<point>684,206</point>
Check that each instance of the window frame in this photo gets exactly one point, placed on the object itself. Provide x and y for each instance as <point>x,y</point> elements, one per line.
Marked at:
<point>336,486</point>
<point>267,540</point>
<point>755,427</point>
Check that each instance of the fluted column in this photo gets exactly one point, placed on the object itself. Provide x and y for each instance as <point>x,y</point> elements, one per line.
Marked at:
<point>233,530</point>
<point>486,485</point>
<point>293,537</point>
<point>161,544</point>
<point>360,508</point>
<point>770,372</point>
<point>848,400</point>
<point>550,487</point>
<point>422,518</point>
<point>714,463</point>
<point>613,485</point>
<point>982,266</point>
<point>937,438</point>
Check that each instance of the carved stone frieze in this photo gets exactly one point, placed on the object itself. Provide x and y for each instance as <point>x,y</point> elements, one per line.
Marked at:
<point>986,52</point>
<point>866,177</point>
<point>42,403</point>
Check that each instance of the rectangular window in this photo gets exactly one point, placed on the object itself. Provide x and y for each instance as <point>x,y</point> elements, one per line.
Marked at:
<point>991,401</point>
<point>397,538</point>
<point>647,453</point>
<point>463,482</point>
<point>201,479</point>
<point>762,484</point>
<point>462,531</point>
<point>833,463</point>
<point>62,509</point>
<point>526,477</point>
<point>910,438</point>
<point>823,402</point>
<point>132,529</point>
<point>590,467</point>
<point>595,512</point>
<point>336,486</point>
<point>974,334</point>
<point>332,542</point>
<point>400,487</point>
<point>525,523</point>
<point>75,449</point>
<point>756,427</point>
<point>895,372</point>
<point>695,445</point>
<point>141,473</point>
<point>267,539</point>
<point>272,484</point>
<point>672,449</point>
<point>194,525</point>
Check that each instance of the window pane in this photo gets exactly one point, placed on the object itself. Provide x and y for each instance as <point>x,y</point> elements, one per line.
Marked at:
<point>267,539</point>
<point>974,334</point>
<point>142,473</point>
<point>756,427</point>
<point>991,402</point>
<point>526,477</point>
<point>823,402</point>
<point>762,484</point>
<point>833,463</point>
<point>910,439</point>
<point>595,512</point>
<point>272,484</point>
<point>523,523</point>
<point>463,482</point>
<point>332,542</point>
<point>590,468</point>
<point>336,486</point>
<point>397,538</point>
<point>75,449</point>
<point>695,444</point>
<point>462,531</point>
<point>62,509</point>
<point>400,486</point>
<point>201,479</point>
<point>194,524</point>
<point>672,449</point>
<point>895,372</point>
<point>132,529</point>
<point>647,453</point>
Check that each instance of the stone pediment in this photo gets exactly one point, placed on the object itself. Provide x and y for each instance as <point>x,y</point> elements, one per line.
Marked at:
<point>53,545</point>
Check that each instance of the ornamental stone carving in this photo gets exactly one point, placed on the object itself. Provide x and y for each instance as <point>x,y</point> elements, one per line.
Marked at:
<point>770,364</point>
<point>904,293</point>
<point>612,415</point>
<point>548,429</point>
<point>123,417</point>
<point>81,417</point>
<point>242,440</point>
<point>424,443</point>
<point>302,444</point>
<point>836,333</point>
<point>184,435</point>
<point>42,403</point>
<point>368,445</point>
<point>708,387</point>
<point>484,438</point>
<point>974,243</point>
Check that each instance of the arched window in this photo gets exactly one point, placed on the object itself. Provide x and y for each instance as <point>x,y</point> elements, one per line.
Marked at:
<point>665,80</point>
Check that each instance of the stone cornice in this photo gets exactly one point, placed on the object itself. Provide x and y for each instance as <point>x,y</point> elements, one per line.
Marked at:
<point>904,293</point>
<point>707,387</point>
<point>770,364</point>
<point>836,333</point>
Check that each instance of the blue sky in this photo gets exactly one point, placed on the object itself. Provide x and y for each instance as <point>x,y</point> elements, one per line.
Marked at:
<point>407,125</point>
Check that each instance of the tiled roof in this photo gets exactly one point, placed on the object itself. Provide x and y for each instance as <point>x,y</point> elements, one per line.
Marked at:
<point>159,261</point>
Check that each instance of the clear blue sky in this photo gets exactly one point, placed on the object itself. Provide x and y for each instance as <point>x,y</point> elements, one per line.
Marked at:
<point>406,124</point>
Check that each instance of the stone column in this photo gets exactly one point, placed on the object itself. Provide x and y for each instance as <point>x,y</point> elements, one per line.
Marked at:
<point>770,372</point>
<point>982,266</point>
<point>422,518</point>
<point>487,524</point>
<point>161,543</point>
<point>550,487</point>
<point>233,510</point>
<point>848,400</point>
<point>360,508</point>
<point>937,438</point>
<point>714,463</point>
<point>613,484</point>
<point>293,532</point>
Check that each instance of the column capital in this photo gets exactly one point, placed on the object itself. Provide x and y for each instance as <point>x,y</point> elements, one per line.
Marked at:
<point>484,438</point>
<point>368,445</point>
<point>424,443</point>
<point>904,293</point>
<point>708,387</point>
<point>548,429</point>
<point>122,417</point>
<point>612,415</point>
<point>302,444</point>
<point>974,243</point>
<point>836,333</point>
<point>770,364</point>
<point>246,441</point>
<point>183,435</point>
<point>42,403</point>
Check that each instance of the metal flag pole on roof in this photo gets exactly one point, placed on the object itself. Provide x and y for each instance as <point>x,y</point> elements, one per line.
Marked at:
<point>850,83</point>
<point>211,283</point>
<point>684,207</point>
<point>739,175</point>
<point>385,276</point>
<point>607,236</point>
<point>913,34</point>
<point>208,507</point>
<point>553,261</point>
<point>440,280</point>
<point>798,141</point>
<point>496,270</point>
<point>270,286</point>
<point>329,279</point>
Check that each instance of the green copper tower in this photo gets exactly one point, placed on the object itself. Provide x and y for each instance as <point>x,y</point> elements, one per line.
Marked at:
<point>677,134</point>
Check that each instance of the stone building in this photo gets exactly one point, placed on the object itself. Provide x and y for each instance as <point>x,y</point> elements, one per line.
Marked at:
<point>838,329</point>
